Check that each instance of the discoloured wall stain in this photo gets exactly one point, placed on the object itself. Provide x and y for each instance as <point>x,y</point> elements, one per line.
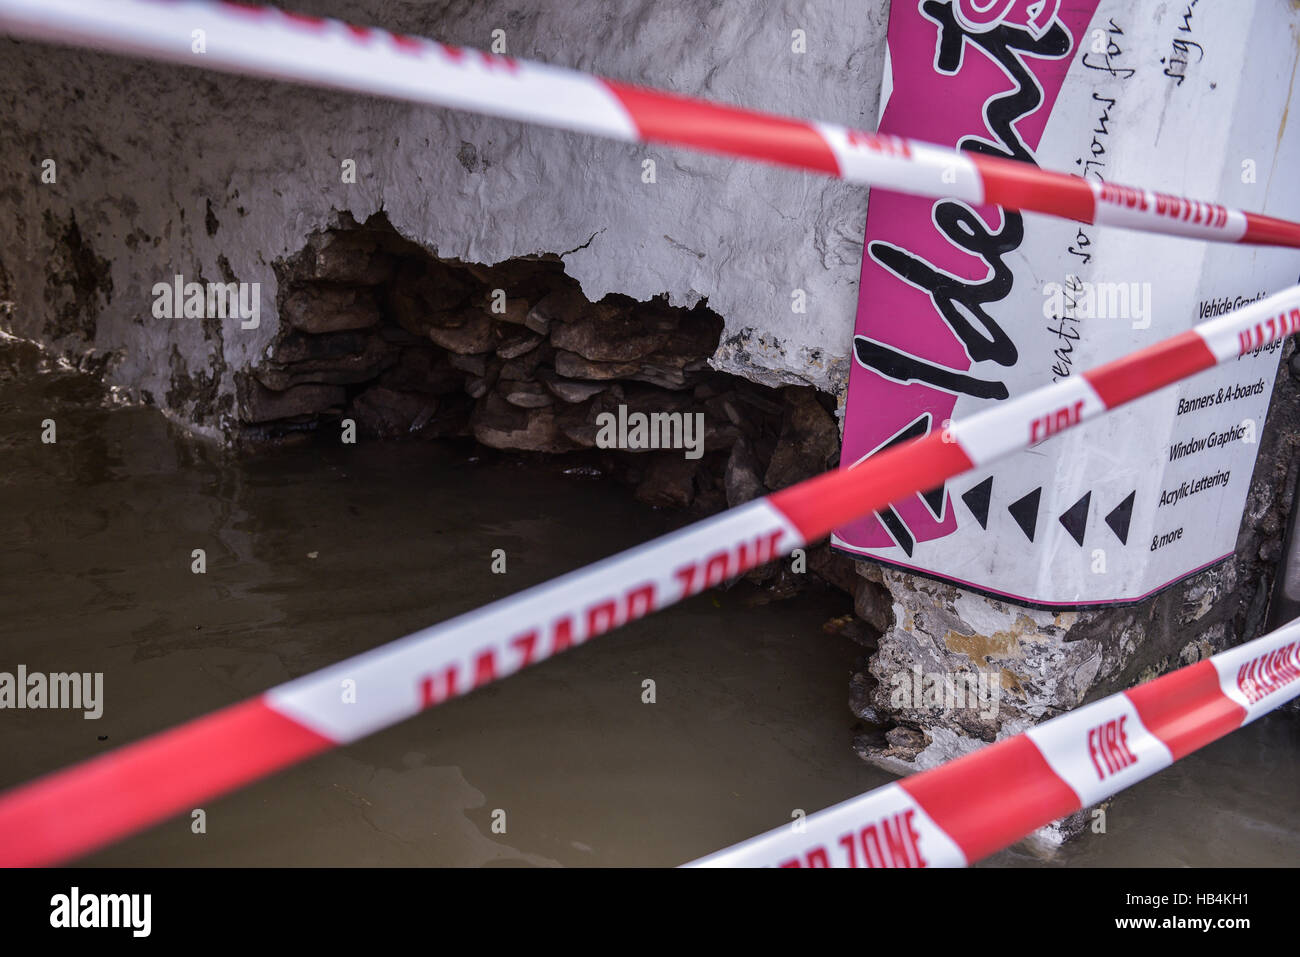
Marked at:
<point>1000,644</point>
<point>1013,682</point>
<point>78,283</point>
<point>467,156</point>
<point>197,393</point>
<point>6,289</point>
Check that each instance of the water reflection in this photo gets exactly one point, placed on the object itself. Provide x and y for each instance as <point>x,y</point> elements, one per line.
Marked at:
<point>314,554</point>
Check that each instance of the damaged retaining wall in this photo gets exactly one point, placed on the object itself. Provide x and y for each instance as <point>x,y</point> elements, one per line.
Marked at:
<point>379,334</point>
<point>164,171</point>
<point>381,337</point>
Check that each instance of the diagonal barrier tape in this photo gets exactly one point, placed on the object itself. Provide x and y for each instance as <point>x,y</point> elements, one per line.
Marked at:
<point>967,809</point>
<point>268,42</point>
<point>87,805</point>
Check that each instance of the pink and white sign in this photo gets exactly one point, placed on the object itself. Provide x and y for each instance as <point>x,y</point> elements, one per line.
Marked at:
<point>964,307</point>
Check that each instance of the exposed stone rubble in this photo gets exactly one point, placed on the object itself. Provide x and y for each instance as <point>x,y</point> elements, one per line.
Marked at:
<point>514,357</point>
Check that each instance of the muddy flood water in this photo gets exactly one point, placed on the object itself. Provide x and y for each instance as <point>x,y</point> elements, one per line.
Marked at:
<point>315,554</point>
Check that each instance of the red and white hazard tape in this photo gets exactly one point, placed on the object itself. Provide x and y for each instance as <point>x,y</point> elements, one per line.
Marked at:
<point>967,809</point>
<point>75,810</point>
<point>264,41</point>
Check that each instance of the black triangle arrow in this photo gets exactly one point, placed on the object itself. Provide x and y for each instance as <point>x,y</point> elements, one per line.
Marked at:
<point>1025,511</point>
<point>913,430</point>
<point>977,500</point>
<point>934,498</point>
<point>896,528</point>
<point>1120,516</point>
<point>1075,518</point>
<point>934,501</point>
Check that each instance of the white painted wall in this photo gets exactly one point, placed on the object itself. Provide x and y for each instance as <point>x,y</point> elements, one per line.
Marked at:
<point>141,149</point>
